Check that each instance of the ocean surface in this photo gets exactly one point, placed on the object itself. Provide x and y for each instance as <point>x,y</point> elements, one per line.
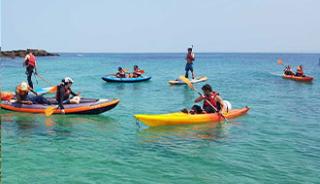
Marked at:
<point>278,141</point>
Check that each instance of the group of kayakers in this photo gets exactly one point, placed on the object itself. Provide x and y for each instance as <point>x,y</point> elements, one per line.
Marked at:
<point>123,73</point>
<point>64,94</point>
<point>25,93</point>
<point>288,71</point>
<point>212,101</point>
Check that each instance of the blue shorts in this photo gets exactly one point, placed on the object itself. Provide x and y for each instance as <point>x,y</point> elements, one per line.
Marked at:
<point>189,67</point>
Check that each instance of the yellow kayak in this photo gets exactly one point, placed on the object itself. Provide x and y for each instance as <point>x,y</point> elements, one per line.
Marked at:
<point>180,118</point>
<point>193,81</point>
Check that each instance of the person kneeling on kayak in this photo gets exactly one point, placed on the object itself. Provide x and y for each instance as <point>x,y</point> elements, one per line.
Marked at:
<point>63,94</point>
<point>121,73</point>
<point>23,96</point>
<point>288,70</point>
<point>212,102</point>
<point>300,72</point>
<point>136,72</point>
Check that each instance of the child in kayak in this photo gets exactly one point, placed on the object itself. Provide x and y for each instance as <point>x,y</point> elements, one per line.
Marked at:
<point>212,102</point>
<point>288,70</point>
<point>136,72</point>
<point>121,73</point>
<point>23,96</point>
<point>300,72</point>
<point>63,94</point>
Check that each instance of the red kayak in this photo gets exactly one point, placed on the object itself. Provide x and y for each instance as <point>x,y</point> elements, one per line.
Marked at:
<point>296,78</point>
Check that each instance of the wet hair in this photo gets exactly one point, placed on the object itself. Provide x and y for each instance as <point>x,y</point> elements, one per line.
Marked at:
<point>119,68</point>
<point>135,66</point>
<point>189,49</point>
<point>207,87</point>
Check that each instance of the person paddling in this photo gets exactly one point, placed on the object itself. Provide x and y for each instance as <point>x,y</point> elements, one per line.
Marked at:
<point>190,58</point>
<point>63,94</point>
<point>288,70</point>
<point>213,98</point>
<point>31,66</point>
<point>121,73</point>
<point>136,72</point>
<point>300,72</point>
<point>23,96</point>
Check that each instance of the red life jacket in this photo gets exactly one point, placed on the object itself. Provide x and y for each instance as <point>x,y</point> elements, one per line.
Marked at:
<point>211,99</point>
<point>31,60</point>
<point>67,92</point>
<point>190,57</point>
<point>300,71</point>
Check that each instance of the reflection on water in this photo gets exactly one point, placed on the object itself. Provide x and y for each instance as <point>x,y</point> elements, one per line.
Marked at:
<point>209,131</point>
<point>59,125</point>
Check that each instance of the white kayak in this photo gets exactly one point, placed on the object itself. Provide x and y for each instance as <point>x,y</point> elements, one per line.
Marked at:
<point>196,80</point>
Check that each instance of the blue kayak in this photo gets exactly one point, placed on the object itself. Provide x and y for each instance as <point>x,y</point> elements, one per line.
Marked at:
<point>127,80</point>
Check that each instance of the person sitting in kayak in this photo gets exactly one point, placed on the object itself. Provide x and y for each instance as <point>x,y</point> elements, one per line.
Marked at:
<point>190,58</point>
<point>210,98</point>
<point>300,72</point>
<point>63,94</point>
<point>136,72</point>
<point>288,70</point>
<point>121,73</point>
<point>23,96</point>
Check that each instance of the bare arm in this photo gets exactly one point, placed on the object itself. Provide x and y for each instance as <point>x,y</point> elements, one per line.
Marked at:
<point>220,101</point>
<point>199,99</point>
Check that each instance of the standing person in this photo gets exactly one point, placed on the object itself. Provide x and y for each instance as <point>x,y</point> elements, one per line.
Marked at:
<point>31,66</point>
<point>190,58</point>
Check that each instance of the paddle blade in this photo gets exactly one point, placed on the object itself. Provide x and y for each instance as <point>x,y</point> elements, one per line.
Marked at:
<point>53,89</point>
<point>187,81</point>
<point>280,62</point>
<point>50,110</point>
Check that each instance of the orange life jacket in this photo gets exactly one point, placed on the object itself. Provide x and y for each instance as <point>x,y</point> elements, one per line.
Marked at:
<point>299,70</point>
<point>31,60</point>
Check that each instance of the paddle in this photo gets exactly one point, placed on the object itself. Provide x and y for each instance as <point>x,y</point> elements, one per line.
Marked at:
<point>45,80</point>
<point>50,110</point>
<point>187,81</point>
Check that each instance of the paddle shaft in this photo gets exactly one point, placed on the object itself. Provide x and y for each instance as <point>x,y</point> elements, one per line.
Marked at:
<point>45,80</point>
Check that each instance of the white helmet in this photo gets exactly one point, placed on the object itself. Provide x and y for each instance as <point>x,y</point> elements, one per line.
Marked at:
<point>67,80</point>
<point>24,86</point>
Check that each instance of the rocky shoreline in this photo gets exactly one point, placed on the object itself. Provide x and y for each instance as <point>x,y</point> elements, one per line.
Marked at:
<point>23,53</point>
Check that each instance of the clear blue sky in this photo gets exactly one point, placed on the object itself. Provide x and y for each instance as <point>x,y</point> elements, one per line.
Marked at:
<point>162,25</point>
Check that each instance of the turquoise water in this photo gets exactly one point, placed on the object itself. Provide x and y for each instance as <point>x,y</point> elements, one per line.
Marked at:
<point>277,142</point>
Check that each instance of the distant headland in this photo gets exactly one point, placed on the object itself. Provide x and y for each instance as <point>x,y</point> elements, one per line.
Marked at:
<point>23,53</point>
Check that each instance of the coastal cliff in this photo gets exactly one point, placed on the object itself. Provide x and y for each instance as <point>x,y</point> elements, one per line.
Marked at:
<point>23,53</point>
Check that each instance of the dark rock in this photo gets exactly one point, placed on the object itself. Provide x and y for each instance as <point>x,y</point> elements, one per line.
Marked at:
<point>23,53</point>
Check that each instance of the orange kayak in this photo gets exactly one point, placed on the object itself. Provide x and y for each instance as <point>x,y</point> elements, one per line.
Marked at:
<point>180,118</point>
<point>86,106</point>
<point>296,78</point>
